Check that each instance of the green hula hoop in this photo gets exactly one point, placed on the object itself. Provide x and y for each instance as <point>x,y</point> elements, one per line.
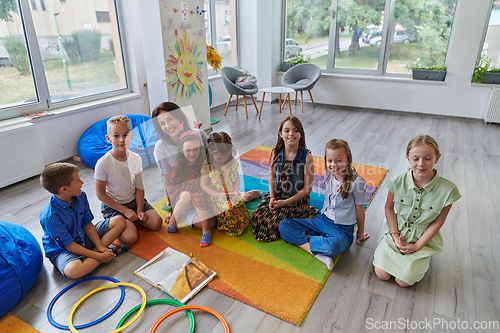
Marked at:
<point>159,301</point>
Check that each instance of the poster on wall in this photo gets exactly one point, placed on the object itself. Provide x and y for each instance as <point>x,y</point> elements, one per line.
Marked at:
<point>184,45</point>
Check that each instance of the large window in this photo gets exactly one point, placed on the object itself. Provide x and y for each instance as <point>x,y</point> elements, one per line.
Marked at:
<point>220,21</point>
<point>368,36</point>
<point>491,45</point>
<point>58,53</point>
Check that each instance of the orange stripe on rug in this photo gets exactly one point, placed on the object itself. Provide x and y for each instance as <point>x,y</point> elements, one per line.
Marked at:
<point>11,324</point>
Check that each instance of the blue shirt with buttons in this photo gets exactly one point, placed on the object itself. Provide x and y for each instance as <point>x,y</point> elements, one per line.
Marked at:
<point>63,223</point>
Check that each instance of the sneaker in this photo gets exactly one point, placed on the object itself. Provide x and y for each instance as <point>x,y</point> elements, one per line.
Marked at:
<point>120,249</point>
<point>172,228</point>
<point>206,239</point>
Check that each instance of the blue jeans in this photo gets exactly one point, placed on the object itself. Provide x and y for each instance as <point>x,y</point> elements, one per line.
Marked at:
<point>326,237</point>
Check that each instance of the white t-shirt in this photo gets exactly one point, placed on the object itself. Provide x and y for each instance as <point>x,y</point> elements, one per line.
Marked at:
<point>121,177</point>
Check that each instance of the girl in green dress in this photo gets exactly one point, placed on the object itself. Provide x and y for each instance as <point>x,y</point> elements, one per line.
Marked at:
<point>418,203</point>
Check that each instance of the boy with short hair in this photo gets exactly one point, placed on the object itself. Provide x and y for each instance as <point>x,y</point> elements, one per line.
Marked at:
<point>71,242</point>
<point>118,182</point>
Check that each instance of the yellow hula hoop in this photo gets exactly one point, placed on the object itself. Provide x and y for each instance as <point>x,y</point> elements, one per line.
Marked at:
<point>126,284</point>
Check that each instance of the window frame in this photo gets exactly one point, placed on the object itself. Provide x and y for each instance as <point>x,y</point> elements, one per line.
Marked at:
<point>38,73</point>
<point>213,33</point>
<point>485,32</point>
<point>390,7</point>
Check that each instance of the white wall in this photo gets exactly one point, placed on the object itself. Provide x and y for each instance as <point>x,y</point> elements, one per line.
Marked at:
<point>150,29</point>
<point>260,39</point>
<point>456,97</point>
<point>219,92</point>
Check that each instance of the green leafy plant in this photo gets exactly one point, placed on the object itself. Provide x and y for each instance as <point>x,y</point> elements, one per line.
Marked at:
<point>71,48</point>
<point>89,44</point>
<point>418,65</point>
<point>482,66</point>
<point>298,59</point>
<point>18,55</point>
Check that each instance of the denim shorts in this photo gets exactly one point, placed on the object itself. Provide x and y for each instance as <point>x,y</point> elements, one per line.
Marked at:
<point>108,212</point>
<point>64,258</point>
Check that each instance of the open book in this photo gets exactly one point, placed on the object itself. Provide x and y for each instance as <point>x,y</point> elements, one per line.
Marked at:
<point>176,274</point>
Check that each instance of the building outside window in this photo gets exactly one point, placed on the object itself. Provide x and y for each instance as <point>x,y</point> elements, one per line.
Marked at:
<point>368,36</point>
<point>58,53</point>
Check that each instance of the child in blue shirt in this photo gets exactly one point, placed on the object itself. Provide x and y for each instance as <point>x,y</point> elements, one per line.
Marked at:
<point>331,233</point>
<point>71,242</point>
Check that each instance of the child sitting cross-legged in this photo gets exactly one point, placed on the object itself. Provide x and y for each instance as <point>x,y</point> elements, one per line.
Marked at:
<point>118,182</point>
<point>71,242</point>
<point>331,233</point>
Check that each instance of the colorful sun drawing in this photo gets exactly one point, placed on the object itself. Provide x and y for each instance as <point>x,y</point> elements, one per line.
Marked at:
<point>184,66</point>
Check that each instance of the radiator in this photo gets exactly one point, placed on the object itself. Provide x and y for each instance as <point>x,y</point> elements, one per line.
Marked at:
<point>493,109</point>
<point>20,154</point>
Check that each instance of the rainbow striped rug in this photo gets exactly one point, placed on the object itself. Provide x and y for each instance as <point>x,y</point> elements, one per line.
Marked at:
<point>250,271</point>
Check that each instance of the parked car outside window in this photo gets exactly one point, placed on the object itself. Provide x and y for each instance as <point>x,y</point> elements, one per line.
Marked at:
<point>400,37</point>
<point>292,48</point>
<point>373,34</point>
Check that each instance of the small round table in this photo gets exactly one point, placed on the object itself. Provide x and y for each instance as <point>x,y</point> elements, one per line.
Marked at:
<point>277,90</point>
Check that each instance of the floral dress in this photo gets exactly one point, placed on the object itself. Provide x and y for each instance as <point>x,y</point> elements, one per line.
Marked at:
<point>232,218</point>
<point>265,221</point>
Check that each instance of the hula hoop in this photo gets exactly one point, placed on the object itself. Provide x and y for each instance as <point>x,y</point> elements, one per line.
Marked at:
<point>63,327</point>
<point>160,301</point>
<point>127,284</point>
<point>190,307</point>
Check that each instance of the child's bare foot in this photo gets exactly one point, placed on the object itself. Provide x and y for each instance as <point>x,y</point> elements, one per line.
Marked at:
<point>251,195</point>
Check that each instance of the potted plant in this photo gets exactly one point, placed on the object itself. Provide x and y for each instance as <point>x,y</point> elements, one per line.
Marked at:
<point>492,76</point>
<point>421,71</point>
<point>298,59</point>
<point>484,73</point>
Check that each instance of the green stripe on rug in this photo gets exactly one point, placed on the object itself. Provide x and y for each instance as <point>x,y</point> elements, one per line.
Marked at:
<point>291,255</point>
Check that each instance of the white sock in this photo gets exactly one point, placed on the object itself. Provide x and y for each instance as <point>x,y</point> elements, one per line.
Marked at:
<point>326,260</point>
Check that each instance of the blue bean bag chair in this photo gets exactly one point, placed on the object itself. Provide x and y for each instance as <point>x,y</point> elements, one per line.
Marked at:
<point>21,262</point>
<point>93,144</point>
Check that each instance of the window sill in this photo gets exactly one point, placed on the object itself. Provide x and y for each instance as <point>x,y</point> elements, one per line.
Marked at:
<point>384,78</point>
<point>72,109</point>
<point>215,76</point>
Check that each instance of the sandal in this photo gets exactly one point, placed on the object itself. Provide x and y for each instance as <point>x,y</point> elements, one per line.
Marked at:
<point>120,249</point>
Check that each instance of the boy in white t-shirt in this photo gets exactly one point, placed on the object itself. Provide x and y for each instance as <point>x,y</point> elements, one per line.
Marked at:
<point>118,182</point>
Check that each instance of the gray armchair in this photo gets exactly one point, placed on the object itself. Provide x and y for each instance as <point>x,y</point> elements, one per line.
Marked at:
<point>229,76</point>
<point>301,77</point>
